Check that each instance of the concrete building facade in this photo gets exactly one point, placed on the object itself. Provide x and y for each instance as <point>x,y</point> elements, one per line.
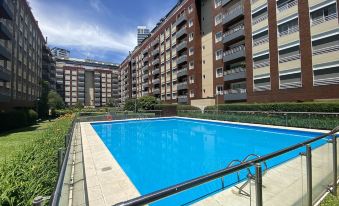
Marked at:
<point>21,44</point>
<point>89,83</point>
<point>48,67</point>
<point>214,51</point>
<point>142,33</point>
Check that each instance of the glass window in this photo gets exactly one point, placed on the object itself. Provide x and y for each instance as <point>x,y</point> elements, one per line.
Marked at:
<point>190,23</point>
<point>219,72</point>
<point>217,3</point>
<point>218,19</point>
<point>218,54</point>
<point>218,36</point>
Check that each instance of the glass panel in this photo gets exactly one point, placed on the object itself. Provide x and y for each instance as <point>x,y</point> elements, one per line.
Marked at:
<point>285,184</point>
<point>322,168</point>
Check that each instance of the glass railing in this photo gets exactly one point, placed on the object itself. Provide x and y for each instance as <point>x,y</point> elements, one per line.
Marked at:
<point>287,5</point>
<point>290,30</point>
<point>322,19</point>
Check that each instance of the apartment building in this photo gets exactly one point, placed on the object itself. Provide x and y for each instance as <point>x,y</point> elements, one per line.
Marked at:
<point>48,67</point>
<point>21,43</point>
<point>294,52</point>
<point>60,52</point>
<point>215,51</point>
<point>167,64</point>
<point>142,34</point>
<point>88,82</point>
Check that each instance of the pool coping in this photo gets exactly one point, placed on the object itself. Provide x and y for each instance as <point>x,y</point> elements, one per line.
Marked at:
<point>107,183</point>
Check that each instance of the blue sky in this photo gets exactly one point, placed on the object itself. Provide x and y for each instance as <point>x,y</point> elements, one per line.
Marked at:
<point>98,29</point>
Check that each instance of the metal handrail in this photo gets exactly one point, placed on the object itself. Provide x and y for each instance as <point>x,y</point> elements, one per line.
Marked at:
<point>169,191</point>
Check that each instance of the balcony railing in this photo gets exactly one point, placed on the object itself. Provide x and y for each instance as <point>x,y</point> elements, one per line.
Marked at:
<point>235,91</point>
<point>233,34</point>
<point>156,81</point>
<point>261,64</point>
<point>290,30</point>
<point>326,50</point>
<point>233,14</point>
<point>181,32</point>
<point>234,50</point>
<point>156,61</point>
<point>156,71</point>
<point>182,59</point>
<point>180,19</point>
<point>260,19</point>
<point>290,85</point>
<point>323,19</point>
<point>235,70</point>
<point>289,58</point>
<point>287,5</point>
<point>182,99</point>
<point>182,72</point>
<point>260,41</point>
<point>181,45</point>
<point>182,86</point>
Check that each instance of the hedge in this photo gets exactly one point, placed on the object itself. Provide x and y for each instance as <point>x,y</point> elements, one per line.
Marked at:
<point>177,106</point>
<point>280,107</point>
<point>17,118</point>
<point>291,120</point>
<point>33,170</point>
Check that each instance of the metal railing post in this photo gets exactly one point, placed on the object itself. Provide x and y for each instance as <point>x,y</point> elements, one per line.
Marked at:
<point>258,184</point>
<point>309,174</point>
<point>61,154</point>
<point>335,171</point>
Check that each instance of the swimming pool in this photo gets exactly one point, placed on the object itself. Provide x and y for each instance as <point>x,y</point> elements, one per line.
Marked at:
<point>159,153</point>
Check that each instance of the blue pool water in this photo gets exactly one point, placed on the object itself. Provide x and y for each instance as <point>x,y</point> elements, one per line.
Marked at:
<point>159,153</point>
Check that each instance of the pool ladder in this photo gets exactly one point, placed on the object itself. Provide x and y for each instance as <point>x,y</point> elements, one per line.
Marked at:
<point>250,176</point>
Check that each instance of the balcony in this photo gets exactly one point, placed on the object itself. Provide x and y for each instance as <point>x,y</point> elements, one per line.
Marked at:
<point>155,42</point>
<point>144,69</point>
<point>233,15</point>
<point>182,99</point>
<point>134,74</point>
<point>81,84</point>
<point>156,61</point>
<point>145,59</point>
<point>145,93</point>
<point>182,59</point>
<point>145,85</point>
<point>181,46</point>
<point>181,19</point>
<point>156,81</point>
<point>4,32</point>
<point>156,71</point>
<point>235,95</point>
<point>156,91</point>
<point>181,32</point>
<point>6,10</point>
<point>235,73</point>
<point>235,53</point>
<point>182,72</point>
<point>155,52</point>
<point>116,81</point>
<point>5,75</point>
<point>182,86</point>
<point>4,53</point>
<point>145,76</point>
<point>234,35</point>
<point>145,51</point>
<point>287,5</point>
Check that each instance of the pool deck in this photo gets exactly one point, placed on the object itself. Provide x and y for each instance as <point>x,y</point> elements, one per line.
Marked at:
<point>107,184</point>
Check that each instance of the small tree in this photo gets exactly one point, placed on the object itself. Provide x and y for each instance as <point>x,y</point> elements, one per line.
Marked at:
<point>55,100</point>
<point>131,105</point>
<point>147,102</point>
<point>79,105</point>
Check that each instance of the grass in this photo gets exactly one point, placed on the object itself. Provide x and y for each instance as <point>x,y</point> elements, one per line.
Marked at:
<point>12,142</point>
<point>331,200</point>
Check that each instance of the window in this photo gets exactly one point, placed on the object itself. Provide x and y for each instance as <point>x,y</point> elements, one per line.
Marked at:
<point>191,51</point>
<point>191,65</point>
<point>324,14</point>
<point>190,37</point>
<point>219,72</point>
<point>218,37</point>
<point>190,9</point>
<point>217,3</point>
<point>218,54</point>
<point>219,90</point>
<point>174,95</point>
<point>190,23</point>
<point>191,79</point>
<point>192,93</point>
<point>288,27</point>
<point>218,19</point>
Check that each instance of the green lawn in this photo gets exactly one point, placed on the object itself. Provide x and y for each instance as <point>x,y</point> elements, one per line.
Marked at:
<point>331,200</point>
<point>13,141</point>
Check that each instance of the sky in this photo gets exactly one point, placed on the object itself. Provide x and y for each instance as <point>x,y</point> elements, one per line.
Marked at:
<point>104,30</point>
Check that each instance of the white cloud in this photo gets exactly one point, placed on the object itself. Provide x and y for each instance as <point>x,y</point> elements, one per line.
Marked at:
<point>96,4</point>
<point>68,30</point>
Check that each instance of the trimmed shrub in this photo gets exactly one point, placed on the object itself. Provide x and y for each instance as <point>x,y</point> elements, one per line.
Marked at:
<point>187,107</point>
<point>13,119</point>
<point>280,107</point>
<point>32,116</point>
